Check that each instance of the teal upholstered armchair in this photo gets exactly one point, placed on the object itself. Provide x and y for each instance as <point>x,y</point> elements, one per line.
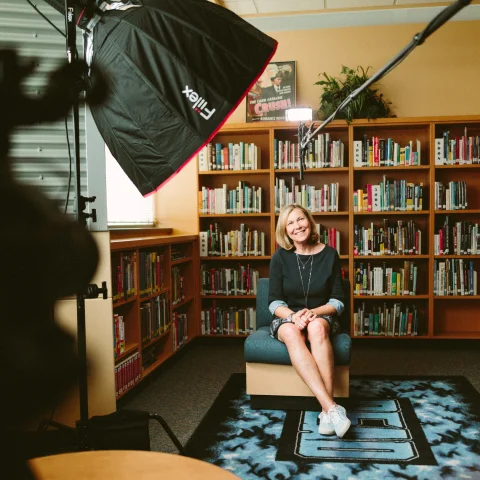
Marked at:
<point>269,370</point>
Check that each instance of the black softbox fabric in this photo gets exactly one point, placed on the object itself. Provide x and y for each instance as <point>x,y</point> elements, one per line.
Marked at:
<point>176,70</point>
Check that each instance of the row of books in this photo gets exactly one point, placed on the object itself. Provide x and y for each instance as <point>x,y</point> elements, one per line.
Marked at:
<point>227,321</point>
<point>179,330</point>
<point>154,317</point>
<point>385,239</point>
<point>178,285</point>
<point>321,152</point>
<point>399,319</point>
<point>381,152</point>
<point>242,280</point>
<point>324,199</point>
<point>454,277</point>
<point>151,272</point>
<point>233,156</point>
<point>459,150</point>
<point>459,238</point>
<point>118,335</point>
<point>388,196</point>
<point>178,251</point>
<point>127,374</point>
<point>329,236</point>
<point>451,196</point>
<point>236,243</point>
<point>241,199</point>
<point>123,276</point>
<point>384,280</point>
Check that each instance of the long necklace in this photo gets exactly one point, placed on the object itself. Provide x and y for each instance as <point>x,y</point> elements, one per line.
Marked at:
<point>305,294</point>
<point>304,265</point>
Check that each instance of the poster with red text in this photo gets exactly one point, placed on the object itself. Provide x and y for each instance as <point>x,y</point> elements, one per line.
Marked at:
<point>273,93</point>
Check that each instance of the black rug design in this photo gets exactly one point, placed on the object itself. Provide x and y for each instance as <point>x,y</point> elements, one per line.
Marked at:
<point>418,428</point>
<point>382,431</point>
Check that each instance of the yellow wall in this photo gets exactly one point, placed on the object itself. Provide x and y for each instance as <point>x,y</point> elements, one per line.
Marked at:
<point>176,203</point>
<point>439,77</point>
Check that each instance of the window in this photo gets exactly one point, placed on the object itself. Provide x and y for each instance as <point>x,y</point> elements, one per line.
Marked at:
<point>125,204</point>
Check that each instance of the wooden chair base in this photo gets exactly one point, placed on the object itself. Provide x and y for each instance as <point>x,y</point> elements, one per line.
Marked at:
<point>283,380</point>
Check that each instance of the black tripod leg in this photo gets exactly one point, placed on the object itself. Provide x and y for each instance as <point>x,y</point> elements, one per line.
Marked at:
<point>52,423</point>
<point>164,424</point>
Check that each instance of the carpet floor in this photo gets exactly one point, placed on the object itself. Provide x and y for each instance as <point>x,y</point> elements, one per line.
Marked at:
<point>423,427</point>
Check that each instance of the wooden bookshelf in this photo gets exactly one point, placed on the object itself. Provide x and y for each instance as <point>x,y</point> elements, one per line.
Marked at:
<point>440,317</point>
<point>164,268</point>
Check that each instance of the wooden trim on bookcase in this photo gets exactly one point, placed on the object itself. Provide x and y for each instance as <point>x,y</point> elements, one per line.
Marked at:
<point>431,305</point>
<point>146,242</point>
<point>351,221</point>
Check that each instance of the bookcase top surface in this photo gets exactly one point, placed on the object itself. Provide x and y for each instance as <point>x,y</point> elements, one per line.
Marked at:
<point>149,241</point>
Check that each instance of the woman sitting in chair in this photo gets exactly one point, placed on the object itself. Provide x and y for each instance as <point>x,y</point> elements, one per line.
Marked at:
<point>305,294</point>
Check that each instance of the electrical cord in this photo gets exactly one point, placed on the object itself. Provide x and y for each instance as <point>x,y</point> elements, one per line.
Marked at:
<point>46,18</point>
<point>66,120</point>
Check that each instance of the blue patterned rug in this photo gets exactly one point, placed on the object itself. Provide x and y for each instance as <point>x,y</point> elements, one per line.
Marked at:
<point>402,428</point>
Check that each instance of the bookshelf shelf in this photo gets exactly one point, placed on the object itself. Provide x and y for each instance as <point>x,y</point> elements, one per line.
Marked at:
<point>182,260</point>
<point>233,215</point>
<point>151,368</point>
<point>149,325</point>
<point>312,170</point>
<point>236,172</point>
<point>456,297</point>
<point>386,214</point>
<point>469,257</point>
<point>120,303</point>
<point>418,141</point>
<point>392,169</point>
<point>183,303</point>
<point>390,297</point>
<point>236,258</point>
<point>153,295</point>
<point>221,335</point>
<point>156,339</point>
<point>457,212</point>
<point>456,167</point>
<point>129,349</point>
<point>390,337</point>
<point>325,214</point>
<point>390,257</point>
<point>128,389</point>
<point>228,297</point>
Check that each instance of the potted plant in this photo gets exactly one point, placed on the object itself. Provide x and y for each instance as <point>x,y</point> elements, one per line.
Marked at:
<point>368,104</point>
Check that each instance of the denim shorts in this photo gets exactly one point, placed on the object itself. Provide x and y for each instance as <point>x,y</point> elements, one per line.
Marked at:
<point>277,322</point>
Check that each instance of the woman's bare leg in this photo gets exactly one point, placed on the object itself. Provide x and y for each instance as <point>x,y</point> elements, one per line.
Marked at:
<point>305,364</point>
<point>322,351</point>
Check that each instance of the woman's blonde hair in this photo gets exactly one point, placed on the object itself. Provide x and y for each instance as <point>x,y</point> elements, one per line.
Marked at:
<point>281,236</point>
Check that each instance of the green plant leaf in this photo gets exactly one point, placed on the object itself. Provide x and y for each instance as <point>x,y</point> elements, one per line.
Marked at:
<point>368,104</point>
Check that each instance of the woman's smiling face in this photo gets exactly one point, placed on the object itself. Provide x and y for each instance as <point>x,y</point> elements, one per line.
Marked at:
<point>298,226</point>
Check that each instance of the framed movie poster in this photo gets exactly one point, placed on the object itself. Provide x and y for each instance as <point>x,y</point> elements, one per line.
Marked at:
<point>273,93</point>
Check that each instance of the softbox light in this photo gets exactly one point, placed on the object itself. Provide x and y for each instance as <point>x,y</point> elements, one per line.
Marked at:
<point>176,71</point>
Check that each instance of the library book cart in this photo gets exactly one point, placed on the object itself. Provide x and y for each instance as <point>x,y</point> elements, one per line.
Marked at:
<point>155,300</point>
<point>399,199</point>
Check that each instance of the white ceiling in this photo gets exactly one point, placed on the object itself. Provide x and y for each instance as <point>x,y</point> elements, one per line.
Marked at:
<point>272,15</point>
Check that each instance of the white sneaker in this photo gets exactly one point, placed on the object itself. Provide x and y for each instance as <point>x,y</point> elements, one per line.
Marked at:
<point>324,425</point>
<point>337,416</point>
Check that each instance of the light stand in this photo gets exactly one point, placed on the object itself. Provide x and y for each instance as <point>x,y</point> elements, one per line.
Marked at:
<point>92,291</point>
<point>305,135</point>
<point>89,436</point>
